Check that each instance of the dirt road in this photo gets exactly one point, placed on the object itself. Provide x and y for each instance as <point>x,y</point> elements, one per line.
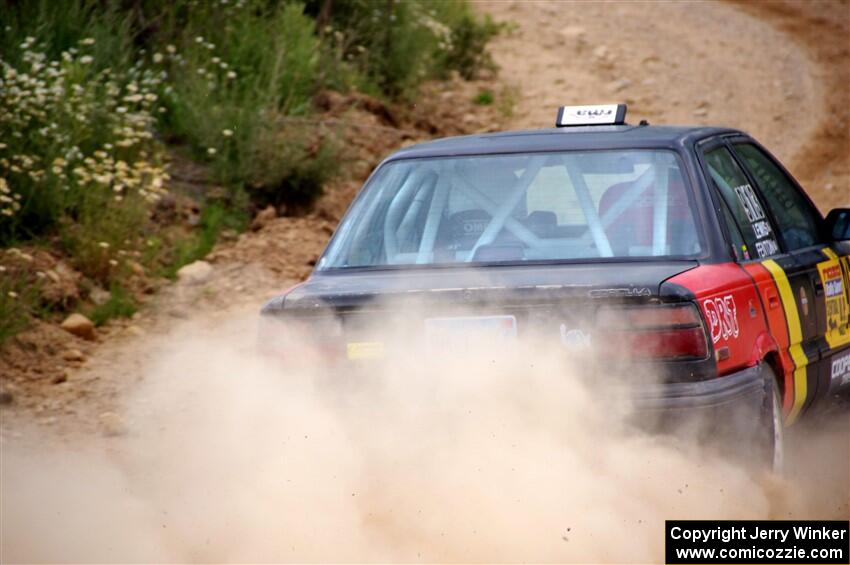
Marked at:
<point>683,63</point>
<point>780,74</point>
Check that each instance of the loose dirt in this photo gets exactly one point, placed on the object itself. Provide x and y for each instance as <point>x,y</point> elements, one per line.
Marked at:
<point>776,70</point>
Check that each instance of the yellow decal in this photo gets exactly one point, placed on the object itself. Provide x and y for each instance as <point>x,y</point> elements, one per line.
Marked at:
<point>365,350</point>
<point>795,337</point>
<point>837,309</point>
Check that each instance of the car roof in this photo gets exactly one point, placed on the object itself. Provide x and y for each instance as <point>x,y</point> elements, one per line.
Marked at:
<point>562,139</point>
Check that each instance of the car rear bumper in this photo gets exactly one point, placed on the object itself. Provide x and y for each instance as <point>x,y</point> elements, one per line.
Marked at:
<point>744,388</point>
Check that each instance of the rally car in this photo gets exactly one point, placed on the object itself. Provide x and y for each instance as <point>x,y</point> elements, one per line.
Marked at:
<point>691,248</point>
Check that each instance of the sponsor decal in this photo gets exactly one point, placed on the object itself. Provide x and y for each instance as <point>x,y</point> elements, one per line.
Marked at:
<point>832,283</point>
<point>767,247</point>
<point>722,317</point>
<point>804,301</point>
<point>750,203</point>
<point>761,229</point>
<point>841,369</point>
<point>753,311</point>
<point>766,244</point>
<point>837,310</point>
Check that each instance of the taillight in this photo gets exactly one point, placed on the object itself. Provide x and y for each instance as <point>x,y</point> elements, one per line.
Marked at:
<point>653,332</point>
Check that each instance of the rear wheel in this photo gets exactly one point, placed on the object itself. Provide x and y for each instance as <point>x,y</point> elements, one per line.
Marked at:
<point>772,431</point>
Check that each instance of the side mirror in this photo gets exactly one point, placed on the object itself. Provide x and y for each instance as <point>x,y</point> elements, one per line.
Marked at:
<point>837,224</point>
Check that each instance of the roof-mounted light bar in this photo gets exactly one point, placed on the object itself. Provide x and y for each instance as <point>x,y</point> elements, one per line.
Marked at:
<point>597,115</point>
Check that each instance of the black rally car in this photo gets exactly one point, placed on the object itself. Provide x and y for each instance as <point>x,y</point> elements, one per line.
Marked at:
<point>691,248</point>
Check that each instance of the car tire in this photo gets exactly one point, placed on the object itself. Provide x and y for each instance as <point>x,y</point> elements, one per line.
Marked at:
<point>772,427</point>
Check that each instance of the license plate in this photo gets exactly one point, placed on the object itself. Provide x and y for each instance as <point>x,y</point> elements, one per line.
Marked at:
<point>459,333</point>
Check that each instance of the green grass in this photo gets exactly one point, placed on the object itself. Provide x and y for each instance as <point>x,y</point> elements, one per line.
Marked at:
<point>120,305</point>
<point>484,98</point>
<point>16,299</point>
<point>93,91</point>
<point>214,219</point>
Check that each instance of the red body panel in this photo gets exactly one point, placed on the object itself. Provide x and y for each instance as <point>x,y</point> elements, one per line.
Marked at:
<point>778,326</point>
<point>733,313</point>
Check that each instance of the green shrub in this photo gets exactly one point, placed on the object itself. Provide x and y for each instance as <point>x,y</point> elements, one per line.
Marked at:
<point>16,300</point>
<point>466,48</point>
<point>120,305</point>
<point>398,45</point>
<point>104,234</point>
<point>60,25</point>
<point>72,133</point>
<point>484,98</point>
<point>215,218</point>
<point>230,88</point>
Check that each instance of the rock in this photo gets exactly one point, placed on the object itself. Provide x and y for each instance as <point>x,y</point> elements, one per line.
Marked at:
<point>600,52</point>
<point>80,326</point>
<point>112,424</point>
<point>60,285</point>
<point>60,378</point>
<point>73,355</point>
<point>619,85</point>
<point>198,272</point>
<point>6,398</point>
<point>573,31</point>
<point>135,331</point>
<point>573,35</point>
<point>136,268</point>
<point>263,218</point>
<point>701,112</point>
<point>99,296</point>
<point>178,313</point>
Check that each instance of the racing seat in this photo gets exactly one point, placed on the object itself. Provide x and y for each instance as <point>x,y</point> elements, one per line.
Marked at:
<point>631,232</point>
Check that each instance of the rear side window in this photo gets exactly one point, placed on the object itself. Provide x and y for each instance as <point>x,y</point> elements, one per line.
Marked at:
<point>794,216</point>
<point>746,209</point>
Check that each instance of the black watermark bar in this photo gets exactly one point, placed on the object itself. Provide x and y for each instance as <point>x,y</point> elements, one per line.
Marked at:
<point>694,542</point>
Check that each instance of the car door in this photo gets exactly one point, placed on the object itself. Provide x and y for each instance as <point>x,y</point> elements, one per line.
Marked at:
<point>784,288</point>
<point>826,327</point>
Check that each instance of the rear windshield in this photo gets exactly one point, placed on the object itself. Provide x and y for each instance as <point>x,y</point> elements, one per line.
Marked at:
<point>515,208</point>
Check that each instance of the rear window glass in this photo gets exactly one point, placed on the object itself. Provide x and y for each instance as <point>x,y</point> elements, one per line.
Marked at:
<point>509,208</point>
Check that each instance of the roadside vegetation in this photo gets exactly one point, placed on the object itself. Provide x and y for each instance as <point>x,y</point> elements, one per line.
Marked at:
<point>99,98</point>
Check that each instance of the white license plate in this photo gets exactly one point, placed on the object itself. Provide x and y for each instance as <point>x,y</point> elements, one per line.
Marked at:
<point>459,333</point>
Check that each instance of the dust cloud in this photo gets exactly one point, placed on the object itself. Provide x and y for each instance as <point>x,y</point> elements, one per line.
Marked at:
<point>499,454</point>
